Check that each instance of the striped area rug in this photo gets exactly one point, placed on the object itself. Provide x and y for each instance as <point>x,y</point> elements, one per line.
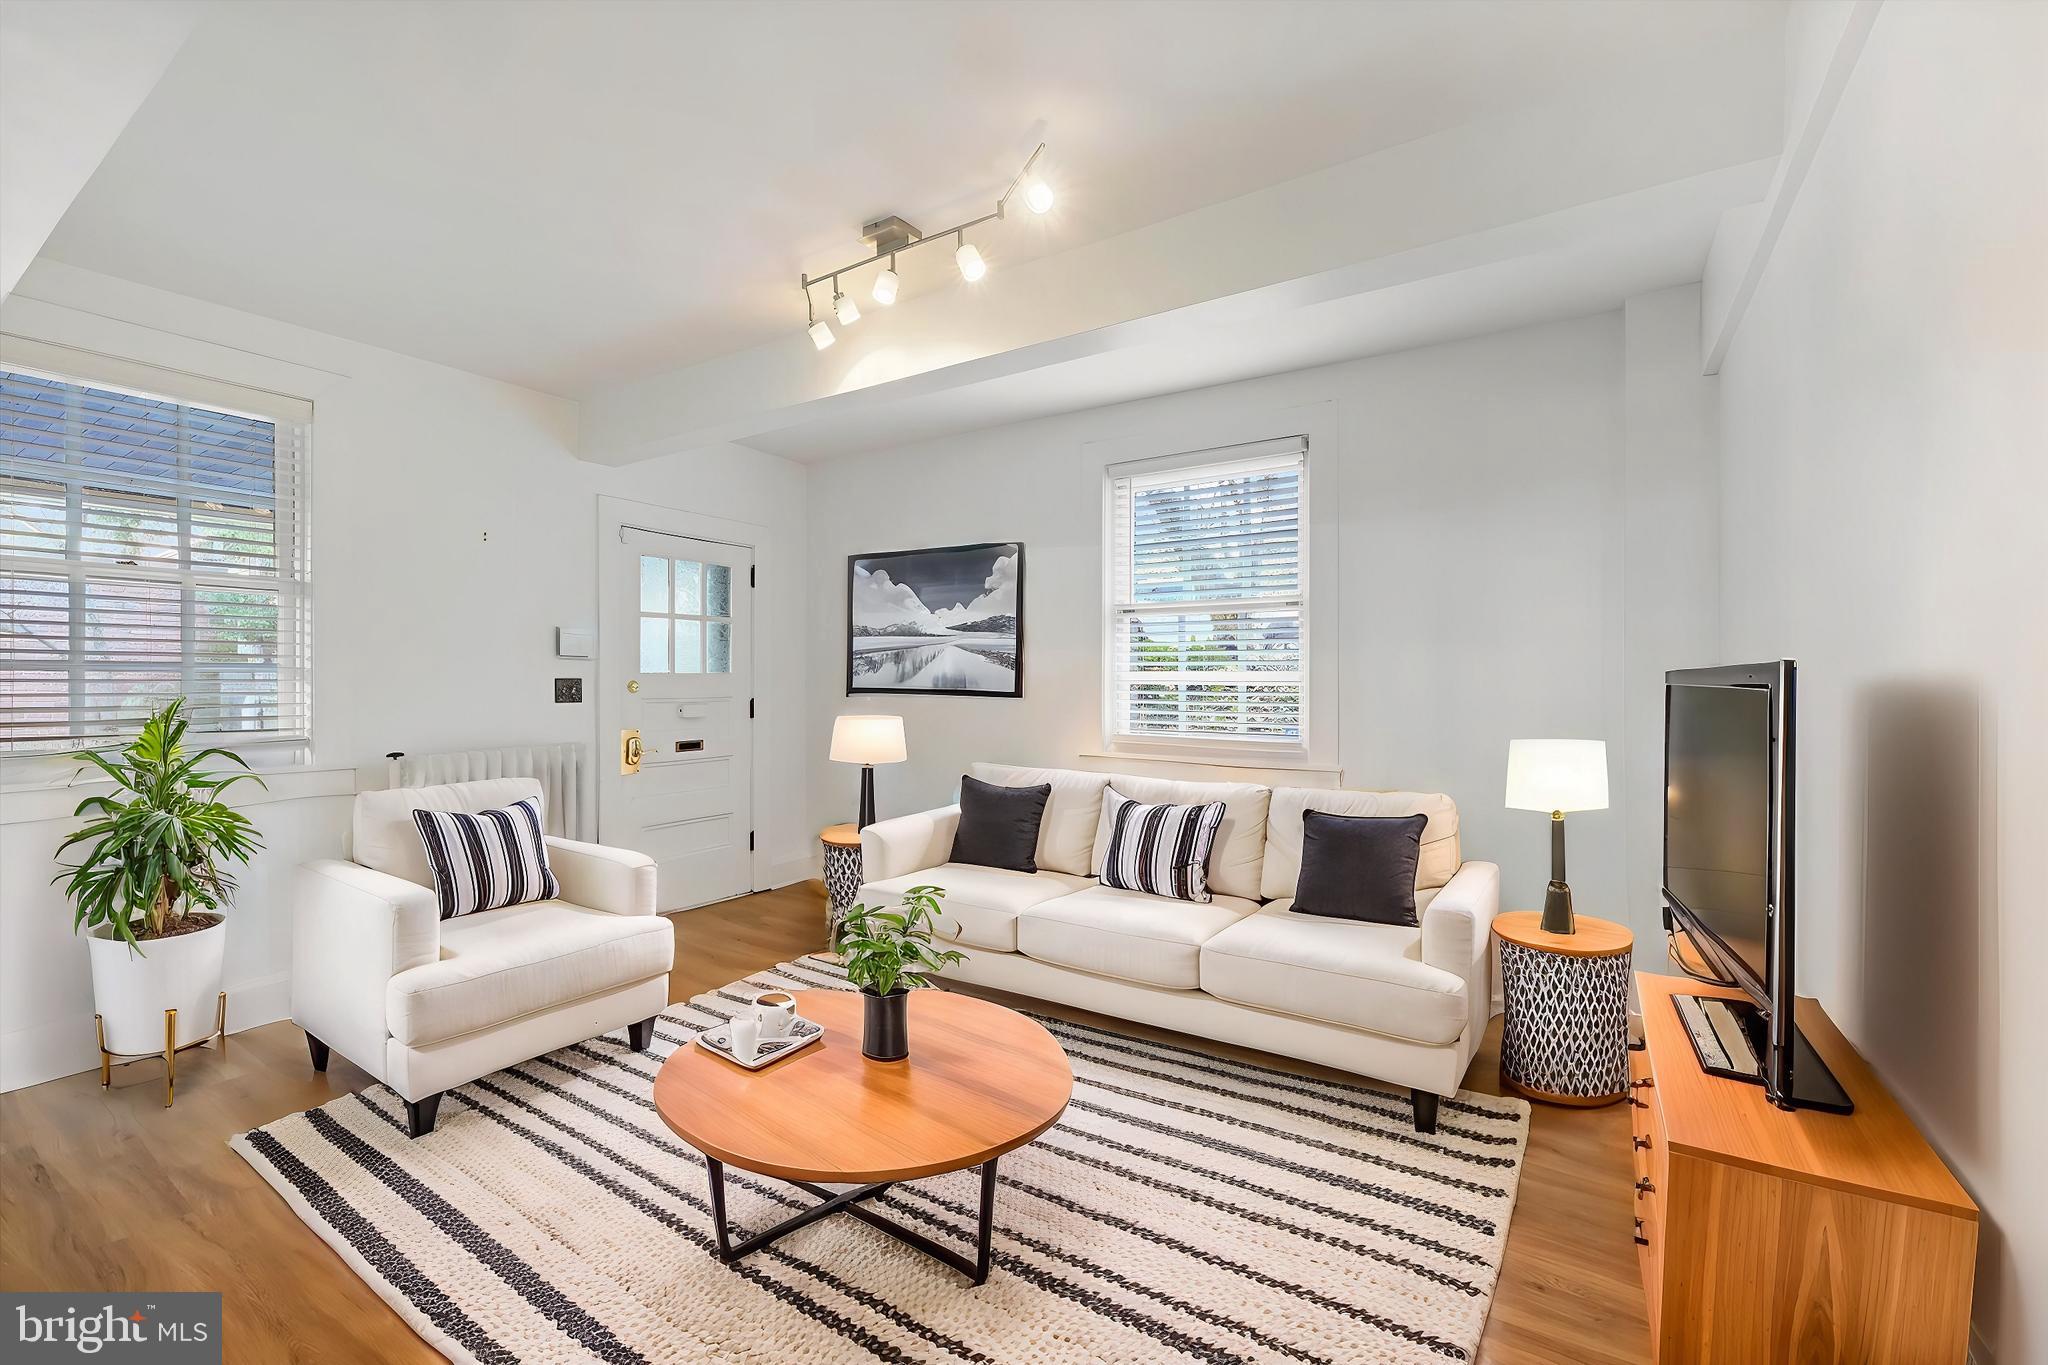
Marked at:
<point>1185,1207</point>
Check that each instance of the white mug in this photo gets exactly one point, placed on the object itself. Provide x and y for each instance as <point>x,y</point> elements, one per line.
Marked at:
<point>745,1033</point>
<point>776,1011</point>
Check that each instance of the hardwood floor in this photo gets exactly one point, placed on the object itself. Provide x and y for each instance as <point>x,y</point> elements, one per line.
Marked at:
<point>108,1190</point>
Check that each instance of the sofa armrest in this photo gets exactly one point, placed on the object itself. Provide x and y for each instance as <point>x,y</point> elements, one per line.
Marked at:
<point>353,929</point>
<point>616,880</point>
<point>1458,924</point>
<point>908,843</point>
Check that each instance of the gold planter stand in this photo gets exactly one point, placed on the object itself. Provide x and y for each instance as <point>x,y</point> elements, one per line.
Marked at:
<point>108,1060</point>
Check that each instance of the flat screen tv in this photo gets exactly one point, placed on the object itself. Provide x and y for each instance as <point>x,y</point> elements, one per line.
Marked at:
<point>1729,822</point>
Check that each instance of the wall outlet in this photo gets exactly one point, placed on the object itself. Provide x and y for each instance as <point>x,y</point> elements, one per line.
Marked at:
<point>568,689</point>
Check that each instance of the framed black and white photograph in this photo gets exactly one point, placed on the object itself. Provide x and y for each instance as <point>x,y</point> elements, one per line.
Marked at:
<point>947,621</point>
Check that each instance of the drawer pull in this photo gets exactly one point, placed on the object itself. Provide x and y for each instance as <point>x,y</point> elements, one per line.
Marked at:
<point>1638,1044</point>
<point>1641,1240</point>
<point>1642,1143</point>
<point>1644,1187</point>
<point>1635,1103</point>
<point>1646,1083</point>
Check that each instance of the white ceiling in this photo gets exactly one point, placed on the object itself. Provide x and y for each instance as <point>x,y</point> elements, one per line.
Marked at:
<point>569,195</point>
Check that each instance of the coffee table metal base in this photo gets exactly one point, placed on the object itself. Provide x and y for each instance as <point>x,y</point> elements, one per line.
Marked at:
<point>851,1201</point>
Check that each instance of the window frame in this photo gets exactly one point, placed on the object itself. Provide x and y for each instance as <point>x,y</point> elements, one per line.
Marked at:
<point>1281,750</point>
<point>290,523</point>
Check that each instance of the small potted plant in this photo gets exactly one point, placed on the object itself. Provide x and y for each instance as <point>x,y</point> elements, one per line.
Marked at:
<point>151,883</point>
<point>887,952</point>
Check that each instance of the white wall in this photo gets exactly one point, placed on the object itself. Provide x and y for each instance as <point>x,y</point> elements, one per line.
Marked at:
<point>1884,414</point>
<point>1480,510</point>
<point>453,529</point>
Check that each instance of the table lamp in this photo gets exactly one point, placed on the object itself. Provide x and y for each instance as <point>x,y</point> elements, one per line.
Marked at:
<point>1557,775</point>
<point>867,740</point>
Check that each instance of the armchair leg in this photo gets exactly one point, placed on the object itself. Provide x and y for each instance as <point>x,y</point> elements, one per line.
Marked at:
<point>640,1034</point>
<point>1425,1102</point>
<point>318,1050</point>
<point>420,1115</point>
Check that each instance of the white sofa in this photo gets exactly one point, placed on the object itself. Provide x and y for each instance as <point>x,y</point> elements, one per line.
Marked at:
<point>1401,1004</point>
<point>425,1004</point>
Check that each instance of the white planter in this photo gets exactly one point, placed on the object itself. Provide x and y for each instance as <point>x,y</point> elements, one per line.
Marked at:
<point>131,991</point>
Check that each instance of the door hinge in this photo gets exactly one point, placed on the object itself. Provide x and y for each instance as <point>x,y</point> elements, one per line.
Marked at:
<point>750,841</point>
<point>750,708</point>
<point>752,581</point>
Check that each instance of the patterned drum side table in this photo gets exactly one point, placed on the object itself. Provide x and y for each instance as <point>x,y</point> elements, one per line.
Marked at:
<point>842,873</point>
<point>1564,1037</point>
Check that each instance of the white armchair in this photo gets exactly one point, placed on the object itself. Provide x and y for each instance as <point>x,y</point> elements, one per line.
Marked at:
<point>425,1004</point>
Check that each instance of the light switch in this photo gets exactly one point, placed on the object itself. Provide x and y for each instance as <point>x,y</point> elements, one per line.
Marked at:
<point>574,644</point>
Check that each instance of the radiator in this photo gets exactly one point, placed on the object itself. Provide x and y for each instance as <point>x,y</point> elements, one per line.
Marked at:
<point>563,771</point>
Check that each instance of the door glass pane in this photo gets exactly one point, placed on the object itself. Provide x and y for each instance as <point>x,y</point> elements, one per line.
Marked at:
<point>689,587</point>
<point>718,648</point>
<point>654,644</point>
<point>717,593</point>
<point>653,583</point>
<point>689,646</point>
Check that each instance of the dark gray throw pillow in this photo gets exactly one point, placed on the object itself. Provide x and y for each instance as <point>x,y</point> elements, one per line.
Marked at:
<point>1359,866</point>
<point>999,825</point>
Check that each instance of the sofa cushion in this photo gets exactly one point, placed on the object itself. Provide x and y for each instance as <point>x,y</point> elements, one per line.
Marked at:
<point>999,825</point>
<point>1359,867</point>
<point>1435,863</point>
<point>981,904</point>
<point>1128,934</point>
<point>497,965</point>
<point>1366,976</point>
<point>387,840</point>
<point>1066,833</point>
<point>1163,850</point>
<point>1240,846</point>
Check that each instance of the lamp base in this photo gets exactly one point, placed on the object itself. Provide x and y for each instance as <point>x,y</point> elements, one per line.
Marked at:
<point>867,795</point>
<point>1557,909</point>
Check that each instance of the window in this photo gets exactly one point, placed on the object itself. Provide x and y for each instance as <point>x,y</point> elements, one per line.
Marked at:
<point>1208,582</point>
<point>685,616</point>
<point>149,549</point>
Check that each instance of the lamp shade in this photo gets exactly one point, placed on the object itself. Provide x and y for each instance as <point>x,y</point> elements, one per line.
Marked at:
<point>1557,774</point>
<point>868,739</point>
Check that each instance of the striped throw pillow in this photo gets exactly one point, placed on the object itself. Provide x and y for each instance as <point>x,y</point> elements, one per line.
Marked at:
<point>488,860</point>
<point>1162,850</point>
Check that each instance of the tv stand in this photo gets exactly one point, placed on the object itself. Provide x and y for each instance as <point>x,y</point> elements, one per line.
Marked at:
<point>1731,1037</point>
<point>1767,1234</point>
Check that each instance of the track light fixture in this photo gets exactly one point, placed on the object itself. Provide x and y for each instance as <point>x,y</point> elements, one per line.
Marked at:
<point>891,235</point>
<point>821,331</point>
<point>968,258</point>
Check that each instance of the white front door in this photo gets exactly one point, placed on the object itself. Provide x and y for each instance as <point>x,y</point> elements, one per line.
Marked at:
<point>683,675</point>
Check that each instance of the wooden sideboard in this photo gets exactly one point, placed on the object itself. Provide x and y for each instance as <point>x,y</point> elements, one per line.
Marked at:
<point>1771,1235</point>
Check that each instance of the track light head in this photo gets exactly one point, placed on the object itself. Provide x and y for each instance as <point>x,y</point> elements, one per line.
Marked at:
<point>821,334</point>
<point>1038,195</point>
<point>844,308</point>
<point>886,285</point>
<point>972,267</point>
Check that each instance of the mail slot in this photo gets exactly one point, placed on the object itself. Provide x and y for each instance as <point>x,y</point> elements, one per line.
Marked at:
<point>689,746</point>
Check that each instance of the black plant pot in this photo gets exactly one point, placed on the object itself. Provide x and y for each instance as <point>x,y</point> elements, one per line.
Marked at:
<point>885,1025</point>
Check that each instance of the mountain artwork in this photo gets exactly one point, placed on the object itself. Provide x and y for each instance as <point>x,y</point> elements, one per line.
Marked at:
<point>948,621</point>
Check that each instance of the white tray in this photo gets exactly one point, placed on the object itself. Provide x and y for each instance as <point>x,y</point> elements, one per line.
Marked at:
<point>802,1033</point>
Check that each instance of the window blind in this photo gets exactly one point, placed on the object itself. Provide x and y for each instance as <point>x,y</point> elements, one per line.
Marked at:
<point>1207,589</point>
<point>149,549</point>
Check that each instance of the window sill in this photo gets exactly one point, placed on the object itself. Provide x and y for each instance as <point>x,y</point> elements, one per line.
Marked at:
<point>1209,758</point>
<point>25,802</point>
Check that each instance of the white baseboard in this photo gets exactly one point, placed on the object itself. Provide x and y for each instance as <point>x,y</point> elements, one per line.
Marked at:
<point>66,1047</point>
<point>788,871</point>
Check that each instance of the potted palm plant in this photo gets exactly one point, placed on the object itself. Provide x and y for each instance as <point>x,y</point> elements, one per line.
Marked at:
<point>887,952</point>
<point>152,881</point>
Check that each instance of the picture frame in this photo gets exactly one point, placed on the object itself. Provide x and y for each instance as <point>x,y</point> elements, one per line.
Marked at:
<point>967,640</point>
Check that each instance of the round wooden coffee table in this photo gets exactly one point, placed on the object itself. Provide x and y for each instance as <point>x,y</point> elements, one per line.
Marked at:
<point>980,1081</point>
